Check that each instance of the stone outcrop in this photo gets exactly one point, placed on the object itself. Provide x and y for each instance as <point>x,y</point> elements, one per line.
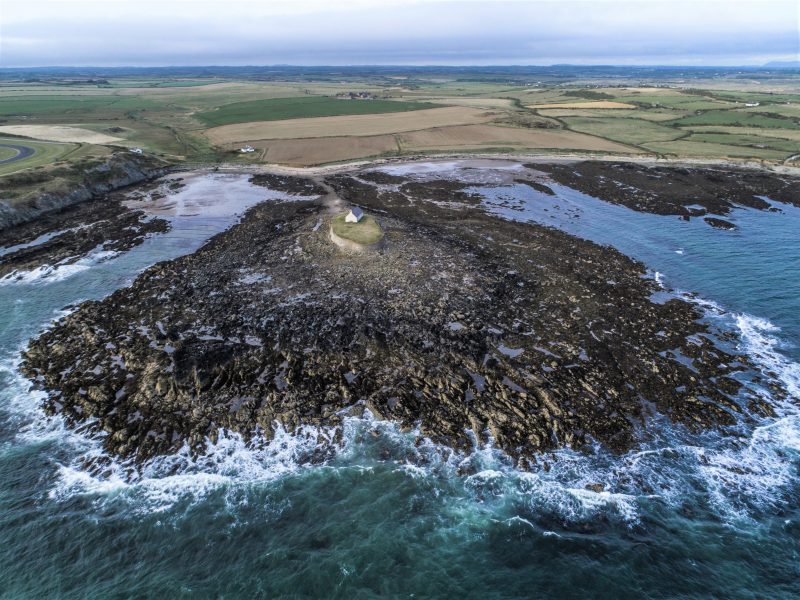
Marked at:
<point>469,326</point>
<point>80,185</point>
<point>675,190</point>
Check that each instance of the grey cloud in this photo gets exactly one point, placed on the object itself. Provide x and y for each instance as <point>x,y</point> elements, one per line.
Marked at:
<point>417,32</point>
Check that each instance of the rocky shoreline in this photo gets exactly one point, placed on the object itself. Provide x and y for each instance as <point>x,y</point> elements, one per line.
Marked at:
<point>63,237</point>
<point>682,190</point>
<point>466,325</point>
<point>30,195</point>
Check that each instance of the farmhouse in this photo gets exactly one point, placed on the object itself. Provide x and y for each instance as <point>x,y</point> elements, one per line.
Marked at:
<point>355,215</point>
<point>247,149</point>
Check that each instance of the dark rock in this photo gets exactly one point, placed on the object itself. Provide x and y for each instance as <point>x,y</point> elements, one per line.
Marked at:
<point>719,223</point>
<point>269,322</point>
<point>299,186</point>
<point>120,170</point>
<point>672,190</point>
<point>80,228</point>
<point>539,187</point>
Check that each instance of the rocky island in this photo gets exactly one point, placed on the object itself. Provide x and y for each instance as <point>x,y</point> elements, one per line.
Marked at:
<point>471,327</point>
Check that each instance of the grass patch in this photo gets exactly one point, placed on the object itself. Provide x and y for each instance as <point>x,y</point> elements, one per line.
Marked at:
<point>763,97</point>
<point>670,99</point>
<point>754,142</point>
<point>44,154</point>
<point>629,131</point>
<point>366,232</point>
<point>782,110</point>
<point>276,109</point>
<point>6,153</point>
<point>737,119</point>
<point>34,105</point>
<point>701,149</point>
<point>785,134</point>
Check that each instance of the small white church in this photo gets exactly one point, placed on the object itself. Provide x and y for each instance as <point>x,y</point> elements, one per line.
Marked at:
<point>354,216</point>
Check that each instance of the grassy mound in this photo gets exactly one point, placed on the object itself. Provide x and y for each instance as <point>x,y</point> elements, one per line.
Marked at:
<point>366,232</point>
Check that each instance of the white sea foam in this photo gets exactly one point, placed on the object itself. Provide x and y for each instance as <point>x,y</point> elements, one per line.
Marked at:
<point>59,272</point>
<point>762,344</point>
<point>161,482</point>
<point>737,476</point>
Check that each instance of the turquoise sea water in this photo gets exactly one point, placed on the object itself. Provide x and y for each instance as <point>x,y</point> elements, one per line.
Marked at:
<point>687,515</point>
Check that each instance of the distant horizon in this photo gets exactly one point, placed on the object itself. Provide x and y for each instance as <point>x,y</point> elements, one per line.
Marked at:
<point>790,64</point>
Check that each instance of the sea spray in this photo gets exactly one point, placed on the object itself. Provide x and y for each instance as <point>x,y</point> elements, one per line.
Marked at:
<point>60,271</point>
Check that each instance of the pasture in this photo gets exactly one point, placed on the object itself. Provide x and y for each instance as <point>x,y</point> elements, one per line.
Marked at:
<point>44,153</point>
<point>739,119</point>
<point>7,153</point>
<point>628,131</point>
<point>276,109</point>
<point>297,118</point>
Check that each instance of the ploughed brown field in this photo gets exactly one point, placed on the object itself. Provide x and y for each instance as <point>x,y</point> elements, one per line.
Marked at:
<point>493,136</point>
<point>348,125</point>
<point>588,104</point>
<point>313,151</point>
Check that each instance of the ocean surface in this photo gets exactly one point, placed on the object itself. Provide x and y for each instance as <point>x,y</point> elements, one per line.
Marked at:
<point>687,515</point>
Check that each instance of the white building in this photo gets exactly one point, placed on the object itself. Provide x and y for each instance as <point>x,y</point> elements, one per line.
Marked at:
<point>752,104</point>
<point>246,149</point>
<point>137,150</point>
<point>355,215</point>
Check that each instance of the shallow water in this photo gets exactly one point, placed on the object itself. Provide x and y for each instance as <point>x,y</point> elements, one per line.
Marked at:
<point>688,515</point>
<point>753,269</point>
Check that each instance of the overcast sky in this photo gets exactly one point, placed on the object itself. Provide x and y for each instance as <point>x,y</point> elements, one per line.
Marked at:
<point>338,32</point>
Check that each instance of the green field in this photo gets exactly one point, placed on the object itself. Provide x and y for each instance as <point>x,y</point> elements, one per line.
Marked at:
<point>738,119</point>
<point>678,101</point>
<point>65,105</point>
<point>6,153</point>
<point>786,134</point>
<point>754,142</point>
<point>168,115</point>
<point>275,109</point>
<point>704,149</point>
<point>45,153</point>
<point>628,131</point>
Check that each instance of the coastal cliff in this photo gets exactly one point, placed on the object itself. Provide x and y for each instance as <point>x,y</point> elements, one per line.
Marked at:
<point>27,195</point>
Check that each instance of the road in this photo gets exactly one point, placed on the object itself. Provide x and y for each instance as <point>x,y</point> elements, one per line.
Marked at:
<point>22,152</point>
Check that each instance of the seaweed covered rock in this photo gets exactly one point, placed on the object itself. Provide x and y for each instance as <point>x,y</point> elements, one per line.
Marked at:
<point>469,326</point>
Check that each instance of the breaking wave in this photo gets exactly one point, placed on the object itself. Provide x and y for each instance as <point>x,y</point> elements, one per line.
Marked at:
<point>734,477</point>
<point>60,271</point>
